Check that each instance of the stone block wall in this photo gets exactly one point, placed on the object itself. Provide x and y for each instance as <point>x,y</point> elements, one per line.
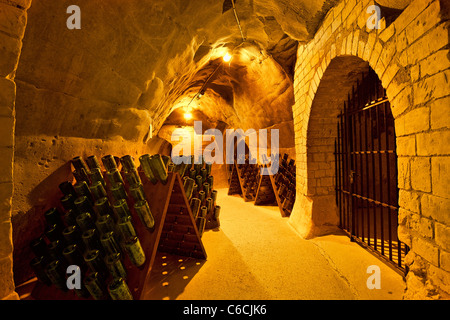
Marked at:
<point>411,57</point>
<point>13,20</point>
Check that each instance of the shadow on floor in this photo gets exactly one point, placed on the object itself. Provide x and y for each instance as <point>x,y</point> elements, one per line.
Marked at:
<point>169,276</point>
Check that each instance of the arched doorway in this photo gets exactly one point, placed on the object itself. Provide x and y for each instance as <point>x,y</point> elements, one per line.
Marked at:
<point>366,171</point>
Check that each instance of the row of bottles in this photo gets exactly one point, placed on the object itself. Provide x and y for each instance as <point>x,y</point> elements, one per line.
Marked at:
<point>198,183</point>
<point>96,230</point>
<point>285,183</point>
<point>284,180</point>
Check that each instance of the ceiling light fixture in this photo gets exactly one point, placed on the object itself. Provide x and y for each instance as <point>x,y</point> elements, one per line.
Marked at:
<point>227,57</point>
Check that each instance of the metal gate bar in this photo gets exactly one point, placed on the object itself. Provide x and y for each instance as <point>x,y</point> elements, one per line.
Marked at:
<point>366,171</point>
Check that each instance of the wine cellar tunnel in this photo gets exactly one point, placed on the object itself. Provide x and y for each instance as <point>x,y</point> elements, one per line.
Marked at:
<point>137,72</point>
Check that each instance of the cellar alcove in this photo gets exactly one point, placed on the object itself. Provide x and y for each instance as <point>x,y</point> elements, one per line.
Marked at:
<point>137,71</point>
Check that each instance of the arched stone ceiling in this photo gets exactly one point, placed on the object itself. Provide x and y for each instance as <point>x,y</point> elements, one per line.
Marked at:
<point>135,61</point>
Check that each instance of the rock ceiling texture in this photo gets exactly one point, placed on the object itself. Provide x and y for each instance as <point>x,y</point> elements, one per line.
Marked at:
<point>135,61</point>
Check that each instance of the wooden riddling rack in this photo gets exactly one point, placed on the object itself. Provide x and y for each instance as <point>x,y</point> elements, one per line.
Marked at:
<point>247,181</point>
<point>175,232</point>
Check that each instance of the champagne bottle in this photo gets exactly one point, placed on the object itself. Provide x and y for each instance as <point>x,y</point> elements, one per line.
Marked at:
<point>121,209</point>
<point>66,188</point>
<point>115,265</point>
<point>118,290</point>
<point>102,207</point>
<point>72,235</point>
<point>94,285</point>
<point>93,163</point>
<point>53,232</point>
<point>82,189</point>
<point>79,164</point>
<point>97,190</point>
<point>56,273</point>
<point>118,191</point>
<point>68,202</point>
<point>53,217</point>
<point>201,220</point>
<point>39,247</point>
<point>206,188</point>
<point>216,212</point>
<point>201,196</point>
<point>145,215</point>
<point>114,176</point>
<point>128,163</point>
<point>146,167</point>
<point>85,221</point>
<point>137,192</point>
<point>109,162</point>
<point>109,243</point>
<point>96,175</point>
<point>195,206</point>
<point>126,228</point>
<point>55,251</point>
<point>132,177</point>
<point>95,263</point>
<point>38,265</point>
<point>73,256</point>
<point>105,224</point>
<point>135,251</point>
<point>91,240</point>
<point>158,168</point>
<point>188,187</point>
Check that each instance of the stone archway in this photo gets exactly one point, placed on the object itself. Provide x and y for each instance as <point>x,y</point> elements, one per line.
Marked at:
<point>410,59</point>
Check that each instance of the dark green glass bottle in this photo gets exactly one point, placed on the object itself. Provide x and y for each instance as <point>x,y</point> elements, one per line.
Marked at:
<point>128,163</point>
<point>158,167</point>
<point>115,265</point>
<point>91,239</point>
<point>188,187</point>
<point>94,260</point>
<point>109,243</point>
<point>78,163</point>
<point>132,177</point>
<point>195,204</point>
<point>126,228</point>
<point>102,207</point>
<point>206,188</point>
<point>105,224</point>
<point>118,290</point>
<point>145,215</point>
<point>135,251</point>
<point>39,247</point>
<point>73,256</point>
<point>72,235</point>
<point>97,190</point>
<point>96,175</point>
<point>94,285</point>
<point>68,202</point>
<point>137,192</point>
<point>53,216</point>
<point>85,221</point>
<point>201,220</point>
<point>201,196</point>
<point>82,189</point>
<point>84,205</point>
<point>216,212</point>
<point>38,265</point>
<point>56,273</point>
<point>109,162</point>
<point>93,162</point>
<point>66,188</point>
<point>121,208</point>
<point>118,191</point>
<point>146,167</point>
<point>114,176</point>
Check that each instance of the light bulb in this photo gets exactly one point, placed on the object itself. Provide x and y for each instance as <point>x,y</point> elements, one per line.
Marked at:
<point>227,57</point>
<point>187,115</point>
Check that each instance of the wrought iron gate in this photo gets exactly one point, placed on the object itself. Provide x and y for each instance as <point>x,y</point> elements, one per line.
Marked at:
<point>366,172</point>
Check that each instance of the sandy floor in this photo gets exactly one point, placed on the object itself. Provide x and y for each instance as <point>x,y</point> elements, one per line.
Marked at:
<point>255,254</point>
